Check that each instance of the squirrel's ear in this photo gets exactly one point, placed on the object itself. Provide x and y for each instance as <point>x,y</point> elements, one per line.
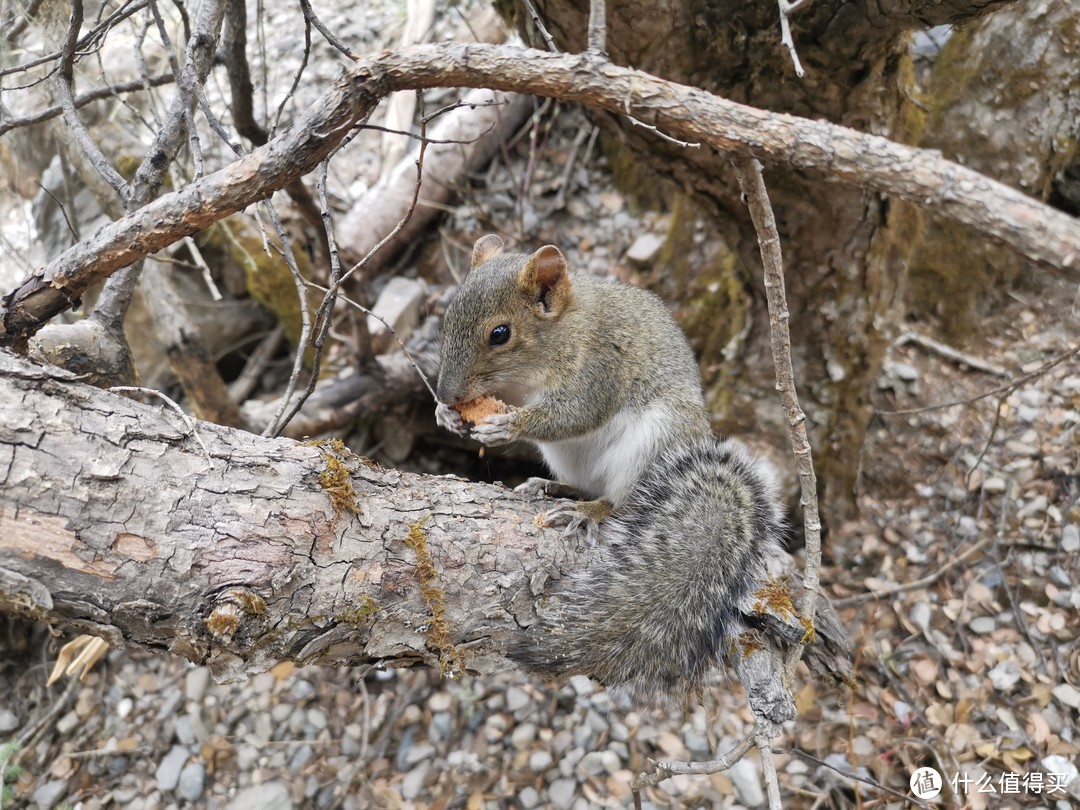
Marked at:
<point>485,249</point>
<point>545,275</point>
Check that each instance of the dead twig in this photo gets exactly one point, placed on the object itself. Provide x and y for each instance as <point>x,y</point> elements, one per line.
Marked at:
<point>798,752</point>
<point>1003,390</point>
<point>748,173</point>
<point>914,584</point>
<point>949,353</point>
<point>786,9</point>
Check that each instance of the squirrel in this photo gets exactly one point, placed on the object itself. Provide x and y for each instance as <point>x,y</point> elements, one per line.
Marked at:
<point>599,376</point>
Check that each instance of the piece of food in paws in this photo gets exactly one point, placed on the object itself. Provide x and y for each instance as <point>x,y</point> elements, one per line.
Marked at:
<point>479,409</point>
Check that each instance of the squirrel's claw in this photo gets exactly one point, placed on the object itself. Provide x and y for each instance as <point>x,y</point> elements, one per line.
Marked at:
<point>577,521</point>
<point>536,487</point>
<point>495,429</point>
<point>449,419</point>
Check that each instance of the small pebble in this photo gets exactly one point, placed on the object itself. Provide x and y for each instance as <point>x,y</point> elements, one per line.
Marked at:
<point>192,781</point>
<point>413,782</point>
<point>47,795</point>
<point>522,736</point>
<point>540,761</point>
<point>168,770</point>
<point>196,682</point>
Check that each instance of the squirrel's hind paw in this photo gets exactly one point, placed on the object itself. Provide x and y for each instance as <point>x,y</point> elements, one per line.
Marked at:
<point>581,518</point>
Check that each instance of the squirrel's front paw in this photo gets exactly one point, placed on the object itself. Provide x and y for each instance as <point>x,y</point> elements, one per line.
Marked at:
<point>449,419</point>
<point>497,428</point>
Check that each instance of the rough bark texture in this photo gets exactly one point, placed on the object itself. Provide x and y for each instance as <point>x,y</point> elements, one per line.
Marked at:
<point>1008,107</point>
<point>114,522</point>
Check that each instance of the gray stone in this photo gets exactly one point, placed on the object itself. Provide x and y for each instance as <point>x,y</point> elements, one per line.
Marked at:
<point>8,721</point>
<point>644,248</point>
<point>746,778</point>
<point>561,793</point>
<point>582,686</point>
<point>48,794</point>
<point>302,690</point>
<point>568,762</point>
<point>190,729</point>
<point>168,770</point>
<point>68,723</point>
<point>301,757</point>
<point>418,753</point>
<point>516,699</point>
<point>528,797</point>
<point>540,761</point>
<point>316,718</point>
<point>246,757</point>
<point>192,781</point>
<point>442,723</point>
<point>398,305</point>
<point>413,782</point>
<point>195,683</point>
<point>522,736</point>
<point>592,764</point>
<point>267,796</point>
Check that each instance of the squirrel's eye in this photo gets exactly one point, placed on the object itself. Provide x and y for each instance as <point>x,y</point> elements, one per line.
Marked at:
<point>500,334</point>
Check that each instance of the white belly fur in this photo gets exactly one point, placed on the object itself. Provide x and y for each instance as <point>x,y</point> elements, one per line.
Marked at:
<point>607,462</point>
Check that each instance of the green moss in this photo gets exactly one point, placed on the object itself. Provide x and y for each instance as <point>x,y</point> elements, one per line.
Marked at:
<point>366,608</point>
<point>336,479</point>
<point>267,277</point>
<point>438,633</point>
<point>717,314</point>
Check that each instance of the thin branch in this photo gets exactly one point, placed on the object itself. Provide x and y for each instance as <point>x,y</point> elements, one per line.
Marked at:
<point>278,423</point>
<point>81,136</point>
<point>848,775</point>
<point>598,27</point>
<point>768,767</point>
<point>914,584</point>
<point>757,201</point>
<point>310,16</point>
<point>192,426</point>
<point>96,34</point>
<point>665,770</point>
<point>81,100</point>
<point>786,9</point>
<point>949,353</point>
<point>1002,390</point>
<point>535,17</point>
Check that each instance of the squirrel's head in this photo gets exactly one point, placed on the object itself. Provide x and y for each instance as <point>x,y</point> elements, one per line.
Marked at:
<point>498,334</point>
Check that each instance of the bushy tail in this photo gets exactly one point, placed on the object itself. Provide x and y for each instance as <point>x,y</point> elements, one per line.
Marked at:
<point>651,612</point>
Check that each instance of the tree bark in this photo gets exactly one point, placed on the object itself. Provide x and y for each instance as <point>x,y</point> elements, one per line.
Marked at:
<point>115,522</point>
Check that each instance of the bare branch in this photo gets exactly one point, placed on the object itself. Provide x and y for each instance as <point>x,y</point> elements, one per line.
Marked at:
<point>757,201</point>
<point>81,137</point>
<point>81,100</point>
<point>598,27</point>
<point>786,9</point>
<point>1037,231</point>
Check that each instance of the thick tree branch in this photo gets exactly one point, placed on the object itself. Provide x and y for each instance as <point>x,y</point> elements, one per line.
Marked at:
<point>1037,231</point>
<point>114,522</point>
